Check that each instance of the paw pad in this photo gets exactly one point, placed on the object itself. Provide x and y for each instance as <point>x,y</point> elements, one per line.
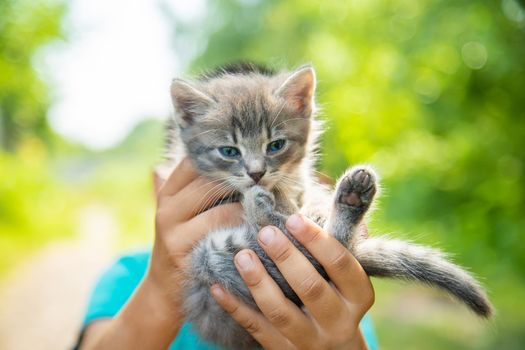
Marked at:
<point>357,188</point>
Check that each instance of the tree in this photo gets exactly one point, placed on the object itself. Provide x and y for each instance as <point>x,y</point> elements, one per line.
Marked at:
<point>25,27</point>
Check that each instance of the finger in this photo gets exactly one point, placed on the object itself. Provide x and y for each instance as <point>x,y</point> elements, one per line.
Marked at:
<point>181,176</point>
<point>344,270</point>
<point>195,198</point>
<point>282,313</point>
<point>315,292</point>
<point>254,322</point>
<point>192,231</point>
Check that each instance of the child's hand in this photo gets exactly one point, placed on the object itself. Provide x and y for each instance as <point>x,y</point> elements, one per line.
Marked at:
<point>153,315</point>
<point>181,222</point>
<point>333,312</point>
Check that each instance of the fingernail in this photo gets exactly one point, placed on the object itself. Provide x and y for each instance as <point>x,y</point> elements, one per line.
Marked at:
<point>244,260</point>
<point>217,291</point>
<point>295,222</point>
<point>267,235</point>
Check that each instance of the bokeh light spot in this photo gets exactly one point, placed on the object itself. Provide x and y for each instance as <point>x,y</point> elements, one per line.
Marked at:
<point>513,10</point>
<point>428,87</point>
<point>474,55</point>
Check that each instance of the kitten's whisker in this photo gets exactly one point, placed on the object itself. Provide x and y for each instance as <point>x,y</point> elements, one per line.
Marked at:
<point>201,205</point>
<point>196,189</point>
<point>202,133</point>
<point>216,197</point>
<point>322,177</point>
<point>279,190</point>
<point>277,115</point>
<point>210,197</point>
<point>214,187</point>
<point>288,120</point>
<point>215,194</point>
<point>290,180</point>
<point>215,119</point>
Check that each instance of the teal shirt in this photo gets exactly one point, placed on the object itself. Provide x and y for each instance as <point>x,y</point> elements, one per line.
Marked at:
<point>118,282</point>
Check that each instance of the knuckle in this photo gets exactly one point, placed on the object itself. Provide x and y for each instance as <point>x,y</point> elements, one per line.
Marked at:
<point>341,339</point>
<point>278,318</point>
<point>252,278</point>
<point>369,300</point>
<point>342,261</point>
<point>177,258</point>
<point>251,325</point>
<point>283,253</point>
<point>342,333</point>
<point>233,310</point>
<point>349,328</point>
<point>361,306</point>
<point>160,217</point>
<point>342,329</point>
<point>366,298</point>
<point>165,218</point>
<point>175,250</point>
<point>312,287</point>
<point>315,233</point>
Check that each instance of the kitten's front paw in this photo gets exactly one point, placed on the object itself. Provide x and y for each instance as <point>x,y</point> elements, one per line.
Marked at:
<point>357,188</point>
<point>258,197</point>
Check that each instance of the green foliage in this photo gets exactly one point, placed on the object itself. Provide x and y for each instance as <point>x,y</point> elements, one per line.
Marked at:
<point>25,26</point>
<point>31,199</point>
<point>34,206</point>
<point>43,194</point>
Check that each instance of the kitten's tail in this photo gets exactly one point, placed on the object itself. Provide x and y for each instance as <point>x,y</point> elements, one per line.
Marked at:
<point>398,259</point>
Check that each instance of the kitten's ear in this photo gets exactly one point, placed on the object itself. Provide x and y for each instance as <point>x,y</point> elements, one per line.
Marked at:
<point>189,102</point>
<point>298,90</point>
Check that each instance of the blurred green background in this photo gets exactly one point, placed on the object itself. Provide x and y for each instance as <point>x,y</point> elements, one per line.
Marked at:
<point>431,93</point>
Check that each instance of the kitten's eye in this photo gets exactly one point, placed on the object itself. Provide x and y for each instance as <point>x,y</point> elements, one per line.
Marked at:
<point>275,146</point>
<point>229,152</point>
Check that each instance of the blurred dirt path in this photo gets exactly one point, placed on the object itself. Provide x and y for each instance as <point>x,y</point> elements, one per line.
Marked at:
<point>42,300</point>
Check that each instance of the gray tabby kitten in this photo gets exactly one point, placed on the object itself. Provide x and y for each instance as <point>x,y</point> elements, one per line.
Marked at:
<point>254,131</point>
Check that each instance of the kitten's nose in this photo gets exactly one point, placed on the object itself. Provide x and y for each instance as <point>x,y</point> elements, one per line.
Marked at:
<point>257,176</point>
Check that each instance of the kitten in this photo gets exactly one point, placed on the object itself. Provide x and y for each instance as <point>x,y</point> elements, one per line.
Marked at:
<point>254,131</point>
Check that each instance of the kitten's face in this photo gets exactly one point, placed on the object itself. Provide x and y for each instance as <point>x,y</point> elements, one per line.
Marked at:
<point>248,130</point>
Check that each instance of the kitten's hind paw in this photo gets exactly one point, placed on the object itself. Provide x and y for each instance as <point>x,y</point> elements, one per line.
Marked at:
<point>357,188</point>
